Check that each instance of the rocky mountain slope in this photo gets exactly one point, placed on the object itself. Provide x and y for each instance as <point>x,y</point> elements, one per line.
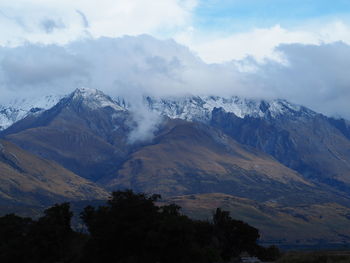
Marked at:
<point>316,146</point>
<point>200,108</point>
<point>194,158</point>
<point>84,132</point>
<point>311,146</point>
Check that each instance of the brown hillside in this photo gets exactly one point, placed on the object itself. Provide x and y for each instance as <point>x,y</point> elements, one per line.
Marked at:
<point>25,178</point>
<point>192,158</point>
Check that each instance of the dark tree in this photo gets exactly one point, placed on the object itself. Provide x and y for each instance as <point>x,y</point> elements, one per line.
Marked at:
<point>46,240</point>
<point>130,228</point>
<point>50,236</point>
<point>233,236</point>
<point>14,232</point>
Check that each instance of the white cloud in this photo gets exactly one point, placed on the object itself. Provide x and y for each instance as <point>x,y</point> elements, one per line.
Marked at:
<point>22,20</point>
<point>316,76</point>
<point>50,47</point>
<point>63,21</point>
<point>124,66</point>
<point>313,75</point>
<point>260,43</point>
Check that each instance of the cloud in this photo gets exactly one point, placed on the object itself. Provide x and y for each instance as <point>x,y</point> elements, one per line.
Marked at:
<point>16,19</point>
<point>145,123</point>
<point>313,75</point>
<point>38,69</point>
<point>49,25</point>
<point>60,22</point>
<point>24,20</point>
<point>259,42</point>
<point>50,47</point>
<point>83,18</point>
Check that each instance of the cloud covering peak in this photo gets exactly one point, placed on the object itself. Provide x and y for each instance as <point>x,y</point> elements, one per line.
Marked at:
<point>312,75</point>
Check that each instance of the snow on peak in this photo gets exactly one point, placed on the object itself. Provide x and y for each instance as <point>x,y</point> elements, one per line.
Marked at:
<point>200,107</point>
<point>94,99</point>
<point>192,108</point>
<point>86,92</point>
<point>19,108</point>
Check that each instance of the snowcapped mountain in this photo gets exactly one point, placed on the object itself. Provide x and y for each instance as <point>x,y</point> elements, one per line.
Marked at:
<point>269,151</point>
<point>86,131</point>
<point>190,108</point>
<point>18,109</point>
<point>94,99</point>
<point>196,108</point>
<point>96,128</point>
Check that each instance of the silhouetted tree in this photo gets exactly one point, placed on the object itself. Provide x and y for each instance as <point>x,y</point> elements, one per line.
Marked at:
<point>46,240</point>
<point>50,235</point>
<point>14,232</point>
<point>233,236</point>
<point>130,228</point>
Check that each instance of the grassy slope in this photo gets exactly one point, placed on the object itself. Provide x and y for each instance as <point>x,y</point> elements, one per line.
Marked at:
<point>190,158</point>
<point>28,179</point>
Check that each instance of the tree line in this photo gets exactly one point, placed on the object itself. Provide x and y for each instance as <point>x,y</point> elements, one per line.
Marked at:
<point>129,228</point>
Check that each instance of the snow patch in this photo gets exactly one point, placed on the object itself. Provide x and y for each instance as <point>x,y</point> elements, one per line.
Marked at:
<point>197,108</point>
<point>95,99</point>
<point>18,109</point>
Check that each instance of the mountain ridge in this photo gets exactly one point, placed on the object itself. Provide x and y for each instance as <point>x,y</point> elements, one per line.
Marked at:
<point>84,139</point>
<point>272,153</point>
<point>187,107</point>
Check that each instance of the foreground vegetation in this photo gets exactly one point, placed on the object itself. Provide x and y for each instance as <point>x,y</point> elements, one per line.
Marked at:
<point>130,228</point>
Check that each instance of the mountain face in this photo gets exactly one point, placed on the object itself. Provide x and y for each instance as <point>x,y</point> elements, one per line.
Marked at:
<point>314,145</point>
<point>28,180</point>
<point>272,153</point>
<point>187,158</point>
<point>200,108</point>
<point>87,132</point>
<point>84,132</point>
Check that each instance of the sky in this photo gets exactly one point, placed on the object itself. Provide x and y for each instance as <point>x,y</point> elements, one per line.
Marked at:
<point>297,50</point>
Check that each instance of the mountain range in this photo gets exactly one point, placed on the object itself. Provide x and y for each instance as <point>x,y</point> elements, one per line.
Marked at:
<point>274,154</point>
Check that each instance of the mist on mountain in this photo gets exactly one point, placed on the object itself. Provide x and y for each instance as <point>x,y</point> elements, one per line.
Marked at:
<point>136,66</point>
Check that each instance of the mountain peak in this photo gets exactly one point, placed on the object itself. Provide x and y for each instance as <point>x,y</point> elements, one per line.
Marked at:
<point>200,107</point>
<point>94,99</point>
<point>86,92</point>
